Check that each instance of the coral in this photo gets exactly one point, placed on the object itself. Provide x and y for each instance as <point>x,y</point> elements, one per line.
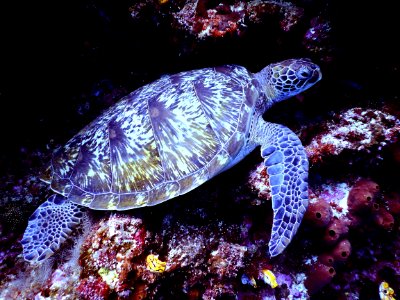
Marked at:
<point>336,229</point>
<point>363,196</point>
<point>384,219</point>
<point>356,129</point>
<point>186,247</point>
<point>319,212</point>
<point>93,288</point>
<point>393,202</point>
<point>227,259</point>
<point>326,258</point>
<point>342,250</point>
<point>258,182</point>
<point>317,38</point>
<point>218,291</point>
<point>291,16</point>
<point>10,249</point>
<point>318,276</point>
<point>108,251</point>
<point>12,213</point>
<point>217,19</point>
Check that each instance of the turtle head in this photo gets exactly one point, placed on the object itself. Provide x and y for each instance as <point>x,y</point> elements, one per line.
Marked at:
<point>288,78</point>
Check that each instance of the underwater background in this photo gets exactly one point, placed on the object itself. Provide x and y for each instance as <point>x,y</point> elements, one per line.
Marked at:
<point>63,63</point>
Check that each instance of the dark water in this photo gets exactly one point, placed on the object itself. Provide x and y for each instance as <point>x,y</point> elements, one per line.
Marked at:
<point>55,56</point>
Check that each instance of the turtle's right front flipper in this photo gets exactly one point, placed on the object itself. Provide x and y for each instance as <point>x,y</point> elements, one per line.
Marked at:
<point>49,226</point>
<point>287,167</point>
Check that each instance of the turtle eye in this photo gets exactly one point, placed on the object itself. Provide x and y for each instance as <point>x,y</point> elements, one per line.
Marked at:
<point>304,73</point>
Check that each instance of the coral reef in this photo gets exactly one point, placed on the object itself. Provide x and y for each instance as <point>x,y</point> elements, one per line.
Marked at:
<point>212,242</point>
<point>107,254</point>
<point>318,276</point>
<point>217,19</point>
<point>319,212</point>
<point>200,253</point>
<point>357,129</point>
<point>317,38</point>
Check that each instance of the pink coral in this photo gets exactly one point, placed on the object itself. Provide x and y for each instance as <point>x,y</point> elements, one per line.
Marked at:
<point>355,129</point>
<point>93,288</point>
<point>202,20</point>
<point>227,259</point>
<point>112,246</point>
<point>218,19</point>
<point>258,182</point>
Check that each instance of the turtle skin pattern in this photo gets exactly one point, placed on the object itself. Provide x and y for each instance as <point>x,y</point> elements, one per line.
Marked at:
<point>159,142</point>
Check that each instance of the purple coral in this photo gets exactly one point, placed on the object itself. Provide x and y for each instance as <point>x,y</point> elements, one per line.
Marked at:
<point>317,38</point>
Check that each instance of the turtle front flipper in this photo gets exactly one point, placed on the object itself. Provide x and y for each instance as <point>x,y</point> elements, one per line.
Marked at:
<point>49,226</point>
<point>287,167</point>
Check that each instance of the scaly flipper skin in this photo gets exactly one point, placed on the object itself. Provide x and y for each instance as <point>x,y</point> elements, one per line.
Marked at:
<point>49,226</point>
<point>287,167</point>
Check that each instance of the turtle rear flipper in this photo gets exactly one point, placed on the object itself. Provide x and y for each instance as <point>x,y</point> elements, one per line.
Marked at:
<point>49,226</point>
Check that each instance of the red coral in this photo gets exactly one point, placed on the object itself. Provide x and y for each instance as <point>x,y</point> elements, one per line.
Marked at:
<point>227,260</point>
<point>258,182</point>
<point>93,288</point>
<point>319,213</point>
<point>393,202</point>
<point>326,259</point>
<point>342,251</point>
<point>362,196</point>
<point>384,219</point>
<point>292,16</point>
<point>218,19</point>
<point>318,276</point>
<point>112,246</point>
<point>336,229</point>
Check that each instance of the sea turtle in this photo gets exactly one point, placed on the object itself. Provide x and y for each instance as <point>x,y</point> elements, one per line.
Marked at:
<point>170,136</point>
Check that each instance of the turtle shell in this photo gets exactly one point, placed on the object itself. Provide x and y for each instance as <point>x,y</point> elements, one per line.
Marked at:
<point>160,141</point>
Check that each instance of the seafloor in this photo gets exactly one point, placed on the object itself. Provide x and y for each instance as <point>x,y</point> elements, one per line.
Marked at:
<point>63,63</point>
